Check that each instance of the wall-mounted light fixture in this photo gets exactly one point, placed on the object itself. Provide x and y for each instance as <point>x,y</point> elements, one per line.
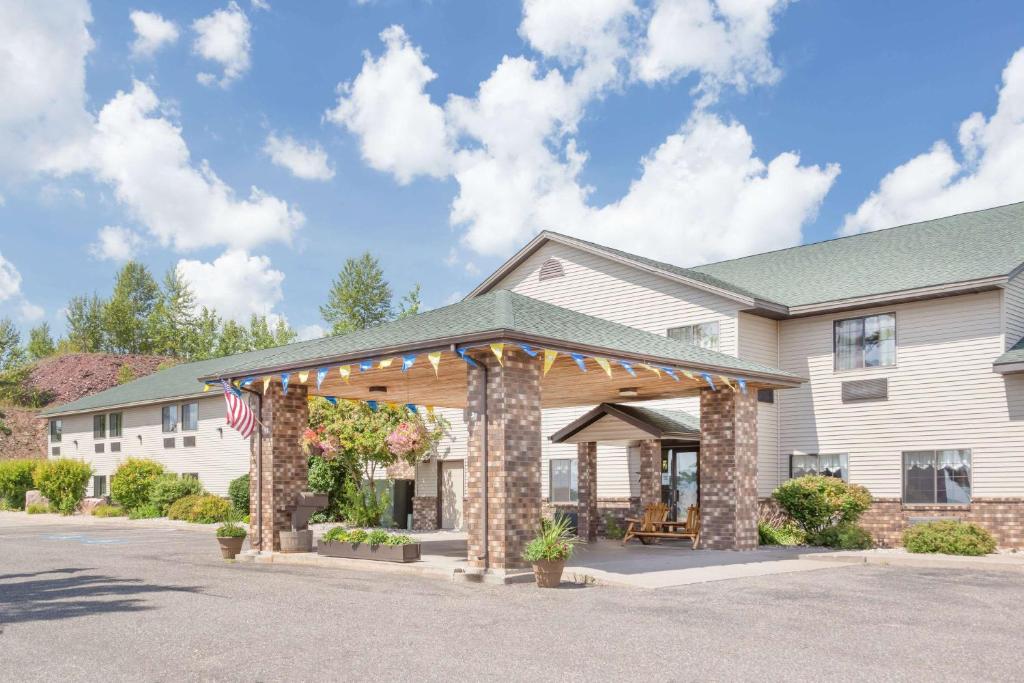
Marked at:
<point>378,389</point>
<point>628,392</point>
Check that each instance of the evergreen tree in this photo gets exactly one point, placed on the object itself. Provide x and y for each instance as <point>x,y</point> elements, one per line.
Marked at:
<point>85,325</point>
<point>203,342</point>
<point>40,343</point>
<point>233,338</point>
<point>126,316</point>
<point>173,322</point>
<point>11,353</point>
<point>360,297</point>
<point>261,336</point>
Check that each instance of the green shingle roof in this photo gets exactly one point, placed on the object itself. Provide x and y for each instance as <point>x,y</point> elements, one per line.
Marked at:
<point>1014,355</point>
<point>666,421</point>
<point>658,422</point>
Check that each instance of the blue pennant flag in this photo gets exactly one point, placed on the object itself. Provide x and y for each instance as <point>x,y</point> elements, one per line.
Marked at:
<point>671,373</point>
<point>743,385</point>
<point>365,365</point>
<point>412,408</point>
<point>407,361</point>
<point>333,400</point>
<point>528,350</point>
<point>707,378</point>
<point>232,388</point>
<point>628,367</point>
<point>320,375</point>
<point>469,361</point>
<point>284,381</point>
<point>578,357</point>
<point>247,381</point>
<point>373,405</point>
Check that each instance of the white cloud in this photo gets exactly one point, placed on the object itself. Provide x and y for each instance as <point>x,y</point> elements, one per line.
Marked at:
<point>236,283</point>
<point>223,37</point>
<point>724,41</point>
<point>260,5</point>
<point>10,279</point>
<point>400,130</point>
<point>115,243</point>
<point>313,331</point>
<point>31,313</point>
<point>152,32</point>
<point>42,77</point>
<point>304,161</point>
<point>143,156</point>
<point>453,298</point>
<point>935,183</point>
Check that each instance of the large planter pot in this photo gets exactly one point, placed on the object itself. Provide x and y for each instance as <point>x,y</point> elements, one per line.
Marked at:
<point>548,573</point>
<point>296,541</point>
<point>365,551</point>
<point>230,546</point>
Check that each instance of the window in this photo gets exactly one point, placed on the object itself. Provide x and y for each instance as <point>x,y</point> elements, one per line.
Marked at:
<point>169,443</point>
<point>190,475</point>
<point>931,477</point>
<point>115,447</point>
<point>189,417</point>
<point>97,448</point>
<point>99,485</point>
<point>56,429</point>
<point>766,396</point>
<point>826,464</point>
<point>868,342</point>
<point>188,442</point>
<point>99,426</point>
<point>170,418</point>
<point>55,450</point>
<point>115,425</point>
<point>704,335</point>
<point>564,482</point>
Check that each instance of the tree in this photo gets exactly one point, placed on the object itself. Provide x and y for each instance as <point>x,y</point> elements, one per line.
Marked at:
<point>126,317</point>
<point>360,297</point>
<point>173,322</point>
<point>233,338</point>
<point>410,304</point>
<point>203,343</point>
<point>85,324</point>
<point>11,353</point>
<point>4,429</point>
<point>40,343</point>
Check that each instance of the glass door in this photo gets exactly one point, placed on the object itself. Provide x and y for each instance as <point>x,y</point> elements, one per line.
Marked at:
<point>679,481</point>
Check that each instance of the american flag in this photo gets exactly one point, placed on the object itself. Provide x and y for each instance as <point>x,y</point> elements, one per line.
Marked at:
<point>240,415</point>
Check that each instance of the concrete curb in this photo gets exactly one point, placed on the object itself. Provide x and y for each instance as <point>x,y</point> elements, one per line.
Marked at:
<point>989,563</point>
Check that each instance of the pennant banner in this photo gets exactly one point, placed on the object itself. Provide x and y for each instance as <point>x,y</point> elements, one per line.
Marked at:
<point>671,373</point>
<point>386,363</point>
<point>206,388</point>
<point>498,350</point>
<point>605,365</point>
<point>707,378</point>
<point>469,361</point>
<point>285,376</point>
<point>578,357</point>
<point>549,359</point>
<point>743,385</point>
<point>688,374</point>
<point>345,371</point>
<point>321,374</point>
<point>435,360</point>
<point>266,383</point>
<point>412,408</point>
<point>653,369</point>
<point>373,405</point>
<point>528,350</point>
<point>365,365</point>
<point>332,400</point>
<point>430,410</point>
<point>627,367</point>
<point>247,381</point>
<point>726,382</point>
<point>407,362</point>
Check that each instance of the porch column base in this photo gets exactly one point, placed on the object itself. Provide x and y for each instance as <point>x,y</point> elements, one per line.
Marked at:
<point>650,472</point>
<point>586,470</point>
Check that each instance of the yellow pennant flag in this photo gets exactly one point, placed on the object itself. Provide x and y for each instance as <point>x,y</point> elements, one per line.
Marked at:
<point>497,350</point>
<point>430,410</point>
<point>206,388</point>
<point>435,360</point>
<point>266,383</point>
<point>391,405</point>
<point>303,376</point>
<point>605,365</point>
<point>653,369</point>
<point>386,363</point>
<point>345,371</point>
<point>725,380</point>
<point>549,359</point>
<point>688,375</point>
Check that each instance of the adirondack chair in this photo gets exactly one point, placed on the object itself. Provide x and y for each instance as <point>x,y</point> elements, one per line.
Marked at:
<point>656,525</point>
<point>654,514</point>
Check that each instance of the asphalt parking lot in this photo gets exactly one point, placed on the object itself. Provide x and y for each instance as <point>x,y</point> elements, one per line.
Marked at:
<point>151,604</point>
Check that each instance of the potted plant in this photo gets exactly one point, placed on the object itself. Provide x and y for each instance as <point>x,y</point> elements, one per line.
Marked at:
<point>230,536</point>
<point>374,545</point>
<point>549,551</point>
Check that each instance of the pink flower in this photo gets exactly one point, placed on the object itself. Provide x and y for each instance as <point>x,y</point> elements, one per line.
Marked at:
<point>408,438</point>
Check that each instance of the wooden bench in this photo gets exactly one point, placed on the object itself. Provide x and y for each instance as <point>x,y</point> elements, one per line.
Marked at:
<point>655,525</point>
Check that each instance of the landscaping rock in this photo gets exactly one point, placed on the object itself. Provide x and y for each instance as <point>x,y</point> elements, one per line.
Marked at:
<point>35,497</point>
<point>89,504</point>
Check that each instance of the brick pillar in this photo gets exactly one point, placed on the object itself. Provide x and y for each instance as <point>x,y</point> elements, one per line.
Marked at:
<point>586,469</point>
<point>512,396</point>
<point>650,472</point>
<point>284,464</point>
<point>728,470</point>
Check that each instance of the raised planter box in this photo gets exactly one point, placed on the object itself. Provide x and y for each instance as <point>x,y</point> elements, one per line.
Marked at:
<point>365,551</point>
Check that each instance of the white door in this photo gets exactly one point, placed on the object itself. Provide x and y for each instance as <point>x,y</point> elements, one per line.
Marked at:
<point>451,494</point>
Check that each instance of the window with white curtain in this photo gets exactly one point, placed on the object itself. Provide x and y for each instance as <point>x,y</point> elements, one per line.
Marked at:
<point>704,335</point>
<point>865,342</point>
<point>825,464</point>
<point>564,481</point>
<point>937,477</point>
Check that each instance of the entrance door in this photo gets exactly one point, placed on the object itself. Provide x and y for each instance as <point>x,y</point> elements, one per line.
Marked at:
<point>679,480</point>
<point>452,484</point>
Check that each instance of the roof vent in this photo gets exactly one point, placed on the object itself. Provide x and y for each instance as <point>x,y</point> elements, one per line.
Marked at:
<point>551,269</point>
<point>866,390</point>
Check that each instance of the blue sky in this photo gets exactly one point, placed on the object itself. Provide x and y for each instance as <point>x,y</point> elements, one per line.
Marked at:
<point>770,126</point>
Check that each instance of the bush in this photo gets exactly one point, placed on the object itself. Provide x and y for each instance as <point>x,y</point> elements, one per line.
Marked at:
<point>238,492</point>
<point>104,510</point>
<point>62,482</point>
<point>816,503</point>
<point>147,511</point>
<point>554,542</point>
<point>204,509</point>
<point>170,487</point>
<point>362,505</point>
<point>949,537</point>
<point>133,480</point>
<point>15,480</point>
<point>37,509</point>
<point>844,537</point>
<point>612,529</point>
<point>786,533</point>
<point>376,537</point>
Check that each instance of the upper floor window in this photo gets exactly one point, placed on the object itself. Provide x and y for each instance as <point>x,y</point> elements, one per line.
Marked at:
<point>189,417</point>
<point>704,335</point>
<point>825,464</point>
<point>169,417</point>
<point>99,426</point>
<point>56,429</point>
<point>942,476</point>
<point>564,480</point>
<point>115,425</point>
<point>865,342</point>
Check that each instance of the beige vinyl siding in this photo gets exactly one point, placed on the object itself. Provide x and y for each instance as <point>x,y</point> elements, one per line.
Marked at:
<point>759,342</point>
<point>452,447</point>
<point>1013,298</point>
<point>942,394</point>
<point>220,453</point>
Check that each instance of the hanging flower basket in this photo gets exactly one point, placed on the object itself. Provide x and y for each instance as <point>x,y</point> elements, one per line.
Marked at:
<point>409,439</point>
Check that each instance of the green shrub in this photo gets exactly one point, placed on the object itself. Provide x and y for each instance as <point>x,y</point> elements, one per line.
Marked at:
<point>554,542</point>
<point>170,487</point>
<point>786,533</point>
<point>362,505</point>
<point>133,480</point>
<point>337,533</point>
<point>104,510</point>
<point>612,529</point>
<point>204,509</point>
<point>231,530</point>
<point>145,511</point>
<point>844,537</point>
<point>63,482</point>
<point>398,539</point>
<point>15,480</point>
<point>238,492</point>
<point>949,537</point>
<point>357,536</point>
<point>37,509</point>
<point>377,537</point>
<point>816,503</point>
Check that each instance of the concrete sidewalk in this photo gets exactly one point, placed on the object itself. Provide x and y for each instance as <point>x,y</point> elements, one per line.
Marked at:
<point>898,557</point>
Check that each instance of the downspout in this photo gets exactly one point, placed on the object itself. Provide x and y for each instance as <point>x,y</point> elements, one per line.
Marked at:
<point>483,475</point>
<point>259,465</point>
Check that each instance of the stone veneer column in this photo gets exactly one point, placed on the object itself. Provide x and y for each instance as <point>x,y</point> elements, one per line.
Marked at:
<point>728,470</point>
<point>586,470</point>
<point>284,464</point>
<point>650,472</point>
<point>512,396</point>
